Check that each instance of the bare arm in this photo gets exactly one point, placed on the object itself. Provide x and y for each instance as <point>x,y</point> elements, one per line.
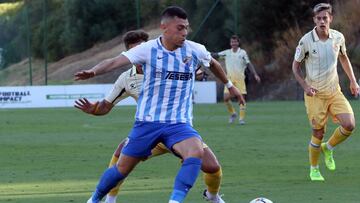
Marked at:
<point>217,70</point>
<point>253,71</point>
<point>98,108</point>
<point>103,67</point>
<point>296,68</point>
<point>346,65</point>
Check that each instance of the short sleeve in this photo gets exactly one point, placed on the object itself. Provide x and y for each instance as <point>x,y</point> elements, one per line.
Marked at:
<point>246,57</point>
<point>342,45</point>
<point>117,93</point>
<point>204,56</point>
<point>300,51</point>
<point>138,54</point>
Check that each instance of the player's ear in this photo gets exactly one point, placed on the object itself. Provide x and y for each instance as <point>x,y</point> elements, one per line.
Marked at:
<point>330,18</point>
<point>163,26</point>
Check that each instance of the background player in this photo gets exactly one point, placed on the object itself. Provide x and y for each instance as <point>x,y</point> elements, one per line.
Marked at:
<point>128,84</point>
<point>164,110</point>
<point>320,49</point>
<point>236,61</point>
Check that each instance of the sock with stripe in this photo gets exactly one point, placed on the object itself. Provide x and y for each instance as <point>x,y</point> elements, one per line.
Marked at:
<point>340,134</point>
<point>314,151</point>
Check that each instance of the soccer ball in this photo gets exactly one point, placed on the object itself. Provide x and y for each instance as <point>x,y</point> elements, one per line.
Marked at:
<point>261,200</point>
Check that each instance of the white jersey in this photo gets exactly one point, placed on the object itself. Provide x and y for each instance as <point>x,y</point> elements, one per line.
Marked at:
<point>235,63</point>
<point>129,83</point>
<point>168,80</point>
<point>321,59</point>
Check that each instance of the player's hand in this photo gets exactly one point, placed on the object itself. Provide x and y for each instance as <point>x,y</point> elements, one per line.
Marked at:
<point>257,78</point>
<point>310,91</point>
<point>85,74</point>
<point>355,89</point>
<point>86,106</point>
<point>236,93</point>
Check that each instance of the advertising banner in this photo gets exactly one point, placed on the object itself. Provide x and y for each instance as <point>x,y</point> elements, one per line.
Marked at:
<point>65,95</point>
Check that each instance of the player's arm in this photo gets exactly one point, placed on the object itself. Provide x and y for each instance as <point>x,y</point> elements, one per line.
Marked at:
<point>346,65</point>
<point>253,71</point>
<point>98,108</point>
<point>296,68</point>
<point>103,67</point>
<point>218,71</point>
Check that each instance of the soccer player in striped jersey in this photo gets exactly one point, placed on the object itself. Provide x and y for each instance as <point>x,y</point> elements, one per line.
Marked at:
<point>320,49</point>
<point>128,84</point>
<point>164,109</point>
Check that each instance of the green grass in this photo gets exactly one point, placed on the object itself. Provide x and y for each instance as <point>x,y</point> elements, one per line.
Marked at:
<point>57,155</point>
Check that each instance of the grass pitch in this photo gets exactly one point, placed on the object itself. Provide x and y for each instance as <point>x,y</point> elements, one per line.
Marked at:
<point>57,155</point>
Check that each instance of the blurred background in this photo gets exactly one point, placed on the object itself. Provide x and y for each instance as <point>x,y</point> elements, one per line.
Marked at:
<point>44,42</point>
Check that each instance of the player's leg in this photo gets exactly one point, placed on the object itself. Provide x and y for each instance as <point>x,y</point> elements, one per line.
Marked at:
<point>142,139</point>
<point>187,143</point>
<point>113,175</point>
<point>314,154</point>
<point>343,112</point>
<point>111,196</point>
<point>317,113</point>
<point>229,106</point>
<point>158,150</point>
<point>191,152</point>
<point>347,125</point>
<point>242,108</point>
<point>212,176</point>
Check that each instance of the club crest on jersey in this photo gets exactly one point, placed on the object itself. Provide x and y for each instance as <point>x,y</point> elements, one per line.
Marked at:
<point>314,51</point>
<point>186,59</point>
<point>132,85</point>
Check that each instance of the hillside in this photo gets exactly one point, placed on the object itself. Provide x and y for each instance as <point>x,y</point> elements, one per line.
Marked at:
<point>62,71</point>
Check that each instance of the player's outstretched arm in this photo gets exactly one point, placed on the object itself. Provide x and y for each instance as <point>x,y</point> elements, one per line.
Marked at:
<point>346,65</point>
<point>97,108</point>
<point>103,67</point>
<point>218,71</point>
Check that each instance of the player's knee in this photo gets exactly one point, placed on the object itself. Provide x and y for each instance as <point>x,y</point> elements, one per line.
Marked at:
<point>194,152</point>
<point>349,126</point>
<point>210,167</point>
<point>319,133</point>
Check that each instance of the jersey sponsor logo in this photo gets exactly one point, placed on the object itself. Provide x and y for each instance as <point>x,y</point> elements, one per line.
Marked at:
<point>173,75</point>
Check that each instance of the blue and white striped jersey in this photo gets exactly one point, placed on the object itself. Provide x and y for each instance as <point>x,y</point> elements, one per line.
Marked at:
<point>168,82</point>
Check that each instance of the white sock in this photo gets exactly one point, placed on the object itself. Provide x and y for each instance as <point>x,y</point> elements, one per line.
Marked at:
<point>314,167</point>
<point>173,201</point>
<point>110,199</point>
<point>211,195</point>
<point>329,146</point>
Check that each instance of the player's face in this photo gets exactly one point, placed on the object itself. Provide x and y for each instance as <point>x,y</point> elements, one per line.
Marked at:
<point>175,31</point>
<point>322,21</point>
<point>234,43</point>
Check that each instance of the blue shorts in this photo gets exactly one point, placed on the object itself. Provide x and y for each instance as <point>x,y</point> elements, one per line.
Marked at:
<point>146,135</point>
